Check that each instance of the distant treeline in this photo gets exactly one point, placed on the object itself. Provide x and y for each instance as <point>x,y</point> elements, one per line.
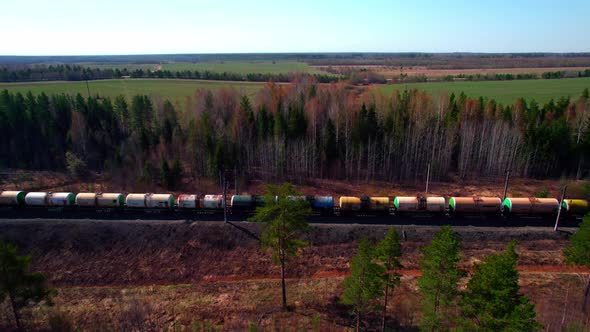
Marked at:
<point>228,76</point>
<point>80,73</point>
<point>346,58</point>
<point>461,60</point>
<point>524,76</point>
<point>296,132</point>
<point>368,76</point>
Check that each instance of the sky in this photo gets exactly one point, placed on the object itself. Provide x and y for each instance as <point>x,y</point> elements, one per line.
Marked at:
<point>83,27</point>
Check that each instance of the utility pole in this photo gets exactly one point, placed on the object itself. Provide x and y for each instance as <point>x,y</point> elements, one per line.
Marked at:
<point>580,127</point>
<point>224,197</point>
<point>236,179</point>
<point>223,177</point>
<point>559,208</point>
<point>427,178</point>
<point>507,172</point>
<point>87,87</point>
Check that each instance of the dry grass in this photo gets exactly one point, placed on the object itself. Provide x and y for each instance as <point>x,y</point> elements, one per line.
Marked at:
<point>248,304</point>
<point>152,276</point>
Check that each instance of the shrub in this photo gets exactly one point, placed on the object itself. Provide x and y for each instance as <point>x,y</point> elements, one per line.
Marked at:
<point>76,166</point>
<point>543,193</point>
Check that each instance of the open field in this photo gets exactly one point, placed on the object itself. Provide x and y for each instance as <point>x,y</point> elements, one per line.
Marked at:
<point>177,90</point>
<point>152,275</point>
<point>502,91</point>
<point>244,67</point>
<point>173,89</point>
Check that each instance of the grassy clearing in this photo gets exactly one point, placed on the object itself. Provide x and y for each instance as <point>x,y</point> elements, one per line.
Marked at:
<point>503,91</point>
<point>175,90</point>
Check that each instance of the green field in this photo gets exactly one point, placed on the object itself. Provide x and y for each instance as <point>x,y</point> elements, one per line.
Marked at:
<point>175,90</point>
<point>266,67</point>
<point>239,67</point>
<point>503,91</point>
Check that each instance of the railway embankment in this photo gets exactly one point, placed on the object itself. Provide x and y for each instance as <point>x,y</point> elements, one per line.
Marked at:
<point>137,252</point>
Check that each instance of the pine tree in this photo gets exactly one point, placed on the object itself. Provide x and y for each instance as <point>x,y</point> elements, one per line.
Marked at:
<point>365,282</point>
<point>389,250</point>
<point>175,174</point>
<point>283,218</point>
<point>438,283</point>
<point>578,253</point>
<point>492,302</point>
<point>18,284</point>
<point>164,173</point>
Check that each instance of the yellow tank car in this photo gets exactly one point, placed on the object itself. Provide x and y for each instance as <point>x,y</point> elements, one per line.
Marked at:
<point>575,207</point>
<point>349,204</point>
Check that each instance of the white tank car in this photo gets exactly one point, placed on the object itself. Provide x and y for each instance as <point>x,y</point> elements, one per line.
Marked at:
<point>61,199</point>
<point>187,201</point>
<point>160,201</point>
<point>36,199</point>
<point>100,199</point>
<point>136,200</point>
<point>213,202</point>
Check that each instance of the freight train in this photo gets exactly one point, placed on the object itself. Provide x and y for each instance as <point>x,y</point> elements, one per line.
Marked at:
<point>320,205</point>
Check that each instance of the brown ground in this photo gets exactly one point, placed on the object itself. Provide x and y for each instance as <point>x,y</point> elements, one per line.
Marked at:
<point>55,181</point>
<point>152,275</point>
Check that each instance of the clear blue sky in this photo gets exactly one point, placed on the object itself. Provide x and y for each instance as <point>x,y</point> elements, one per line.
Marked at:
<point>79,27</point>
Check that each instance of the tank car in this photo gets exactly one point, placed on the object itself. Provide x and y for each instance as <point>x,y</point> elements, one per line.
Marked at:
<point>36,199</point>
<point>475,205</point>
<point>150,201</point>
<point>379,205</point>
<point>61,199</point>
<point>12,198</point>
<point>49,199</point>
<point>575,208</point>
<point>411,204</point>
<point>244,203</point>
<point>529,206</point>
<point>321,204</point>
<point>100,200</point>
<point>364,204</point>
<point>348,204</point>
<point>110,200</point>
<point>188,201</point>
<point>160,201</point>
<point>212,202</point>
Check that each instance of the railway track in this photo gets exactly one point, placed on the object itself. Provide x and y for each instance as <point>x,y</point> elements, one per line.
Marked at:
<point>218,216</point>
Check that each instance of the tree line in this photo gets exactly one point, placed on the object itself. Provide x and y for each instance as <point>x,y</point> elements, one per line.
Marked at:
<point>520,76</point>
<point>298,131</point>
<point>74,72</point>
